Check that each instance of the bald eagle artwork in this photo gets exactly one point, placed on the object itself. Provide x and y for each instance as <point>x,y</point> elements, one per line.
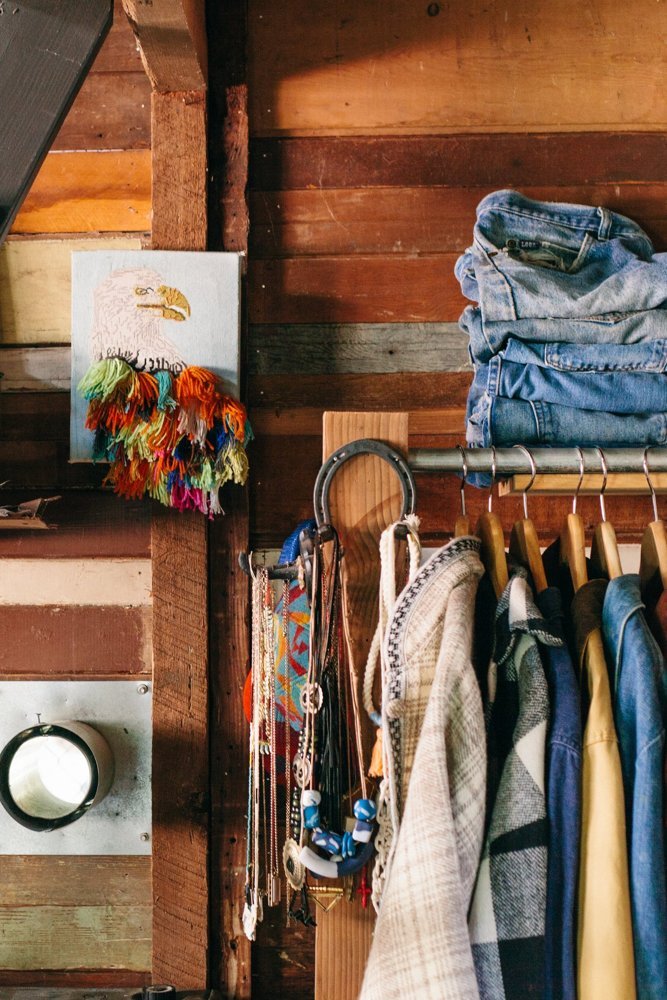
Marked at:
<point>160,312</point>
<point>132,310</point>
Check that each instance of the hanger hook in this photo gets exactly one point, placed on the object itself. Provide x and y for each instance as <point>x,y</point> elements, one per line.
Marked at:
<point>464,470</point>
<point>251,568</point>
<point>582,469</point>
<point>533,473</point>
<point>493,477</point>
<point>654,499</point>
<point>605,475</point>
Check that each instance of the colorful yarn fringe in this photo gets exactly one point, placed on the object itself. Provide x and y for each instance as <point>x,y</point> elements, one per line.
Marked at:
<point>176,438</point>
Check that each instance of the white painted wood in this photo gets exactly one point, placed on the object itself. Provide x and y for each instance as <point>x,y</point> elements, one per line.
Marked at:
<point>121,582</point>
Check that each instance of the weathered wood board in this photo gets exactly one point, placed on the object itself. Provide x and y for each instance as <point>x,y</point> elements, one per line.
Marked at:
<point>36,289</point>
<point>413,68</point>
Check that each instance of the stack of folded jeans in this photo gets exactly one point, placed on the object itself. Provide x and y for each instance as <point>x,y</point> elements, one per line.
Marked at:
<point>569,333</point>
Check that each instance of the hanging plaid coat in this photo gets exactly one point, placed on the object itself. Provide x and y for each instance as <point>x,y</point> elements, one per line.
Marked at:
<point>507,915</point>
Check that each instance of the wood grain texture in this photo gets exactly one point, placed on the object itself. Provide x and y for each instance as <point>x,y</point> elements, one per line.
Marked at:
<point>87,525</point>
<point>89,192</point>
<point>180,607</point>
<point>283,959</point>
<point>365,498</point>
<point>361,348</point>
<point>417,219</point>
<point>179,170</point>
<point>32,880</point>
<point>230,662</point>
<point>180,748</point>
<point>44,63</point>
<point>59,640</point>
<point>71,937</point>
<point>84,582</point>
<point>36,286</point>
<point>64,984</point>
<point>35,369</point>
<point>172,40</point>
<point>520,159</point>
<point>392,67</point>
<point>112,111</point>
<point>355,289</point>
<point>230,952</point>
<point>393,391</point>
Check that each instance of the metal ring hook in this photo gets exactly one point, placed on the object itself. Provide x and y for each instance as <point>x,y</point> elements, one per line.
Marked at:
<point>464,470</point>
<point>654,498</point>
<point>605,476</point>
<point>493,478</point>
<point>533,473</point>
<point>582,471</point>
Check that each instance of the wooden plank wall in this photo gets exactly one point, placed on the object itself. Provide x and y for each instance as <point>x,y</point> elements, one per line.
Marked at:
<point>375,129</point>
<point>75,602</point>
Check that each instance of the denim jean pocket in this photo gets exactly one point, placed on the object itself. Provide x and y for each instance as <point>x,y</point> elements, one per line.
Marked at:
<point>648,356</point>
<point>546,254</point>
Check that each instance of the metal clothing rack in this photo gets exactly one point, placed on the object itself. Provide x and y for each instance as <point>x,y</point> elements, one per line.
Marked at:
<point>500,462</point>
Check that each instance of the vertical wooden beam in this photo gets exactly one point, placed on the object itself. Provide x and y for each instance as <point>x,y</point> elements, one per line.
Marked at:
<point>230,956</point>
<point>180,608</point>
<point>365,498</point>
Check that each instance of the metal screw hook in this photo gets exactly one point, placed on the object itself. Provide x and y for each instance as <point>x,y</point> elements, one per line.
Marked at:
<point>533,473</point>
<point>654,498</point>
<point>605,476</point>
<point>464,469</point>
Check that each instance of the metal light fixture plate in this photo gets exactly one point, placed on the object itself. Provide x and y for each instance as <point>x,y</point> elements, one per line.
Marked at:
<point>121,711</point>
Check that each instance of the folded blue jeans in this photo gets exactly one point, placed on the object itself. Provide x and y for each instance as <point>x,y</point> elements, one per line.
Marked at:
<point>610,391</point>
<point>491,336</point>
<point>534,258</point>
<point>494,420</point>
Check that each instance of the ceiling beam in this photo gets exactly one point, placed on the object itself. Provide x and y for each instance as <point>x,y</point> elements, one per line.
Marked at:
<point>172,41</point>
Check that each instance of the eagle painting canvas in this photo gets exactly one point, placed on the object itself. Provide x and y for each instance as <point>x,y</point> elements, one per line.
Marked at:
<point>157,310</point>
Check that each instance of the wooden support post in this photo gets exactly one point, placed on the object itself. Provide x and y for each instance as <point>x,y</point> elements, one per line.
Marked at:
<point>180,605</point>
<point>365,498</point>
<point>230,951</point>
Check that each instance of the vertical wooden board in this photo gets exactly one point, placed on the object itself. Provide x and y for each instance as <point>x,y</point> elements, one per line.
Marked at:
<point>230,662</point>
<point>180,749</point>
<point>364,500</point>
<point>179,171</point>
<point>326,68</point>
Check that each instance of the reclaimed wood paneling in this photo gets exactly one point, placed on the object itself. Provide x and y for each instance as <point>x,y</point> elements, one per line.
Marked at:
<point>32,880</point>
<point>355,289</point>
<point>417,219</point>
<point>65,984</point>
<point>538,159</point>
<point>67,937</point>
<point>117,582</point>
<point>405,391</point>
<point>89,192</point>
<point>112,111</point>
<point>364,348</point>
<point>36,287</point>
<point>172,44</point>
<point>35,369</point>
<point>88,525</point>
<point>65,641</point>
<point>411,68</point>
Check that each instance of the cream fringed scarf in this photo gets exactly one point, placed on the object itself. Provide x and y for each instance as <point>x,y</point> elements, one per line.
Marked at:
<point>435,769</point>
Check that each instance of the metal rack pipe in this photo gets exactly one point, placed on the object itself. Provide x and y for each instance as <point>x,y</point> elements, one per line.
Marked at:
<point>548,461</point>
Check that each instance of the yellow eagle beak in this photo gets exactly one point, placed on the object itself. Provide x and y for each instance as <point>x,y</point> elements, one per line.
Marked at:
<point>174,304</point>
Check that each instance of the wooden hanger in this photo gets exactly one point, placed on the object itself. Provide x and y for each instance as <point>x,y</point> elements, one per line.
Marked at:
<point>605,556</point>
<point>653,558</point>
<point>490,531</point>
<point>573,538</point>
<point>524,543</point>
<point>462,524</point>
